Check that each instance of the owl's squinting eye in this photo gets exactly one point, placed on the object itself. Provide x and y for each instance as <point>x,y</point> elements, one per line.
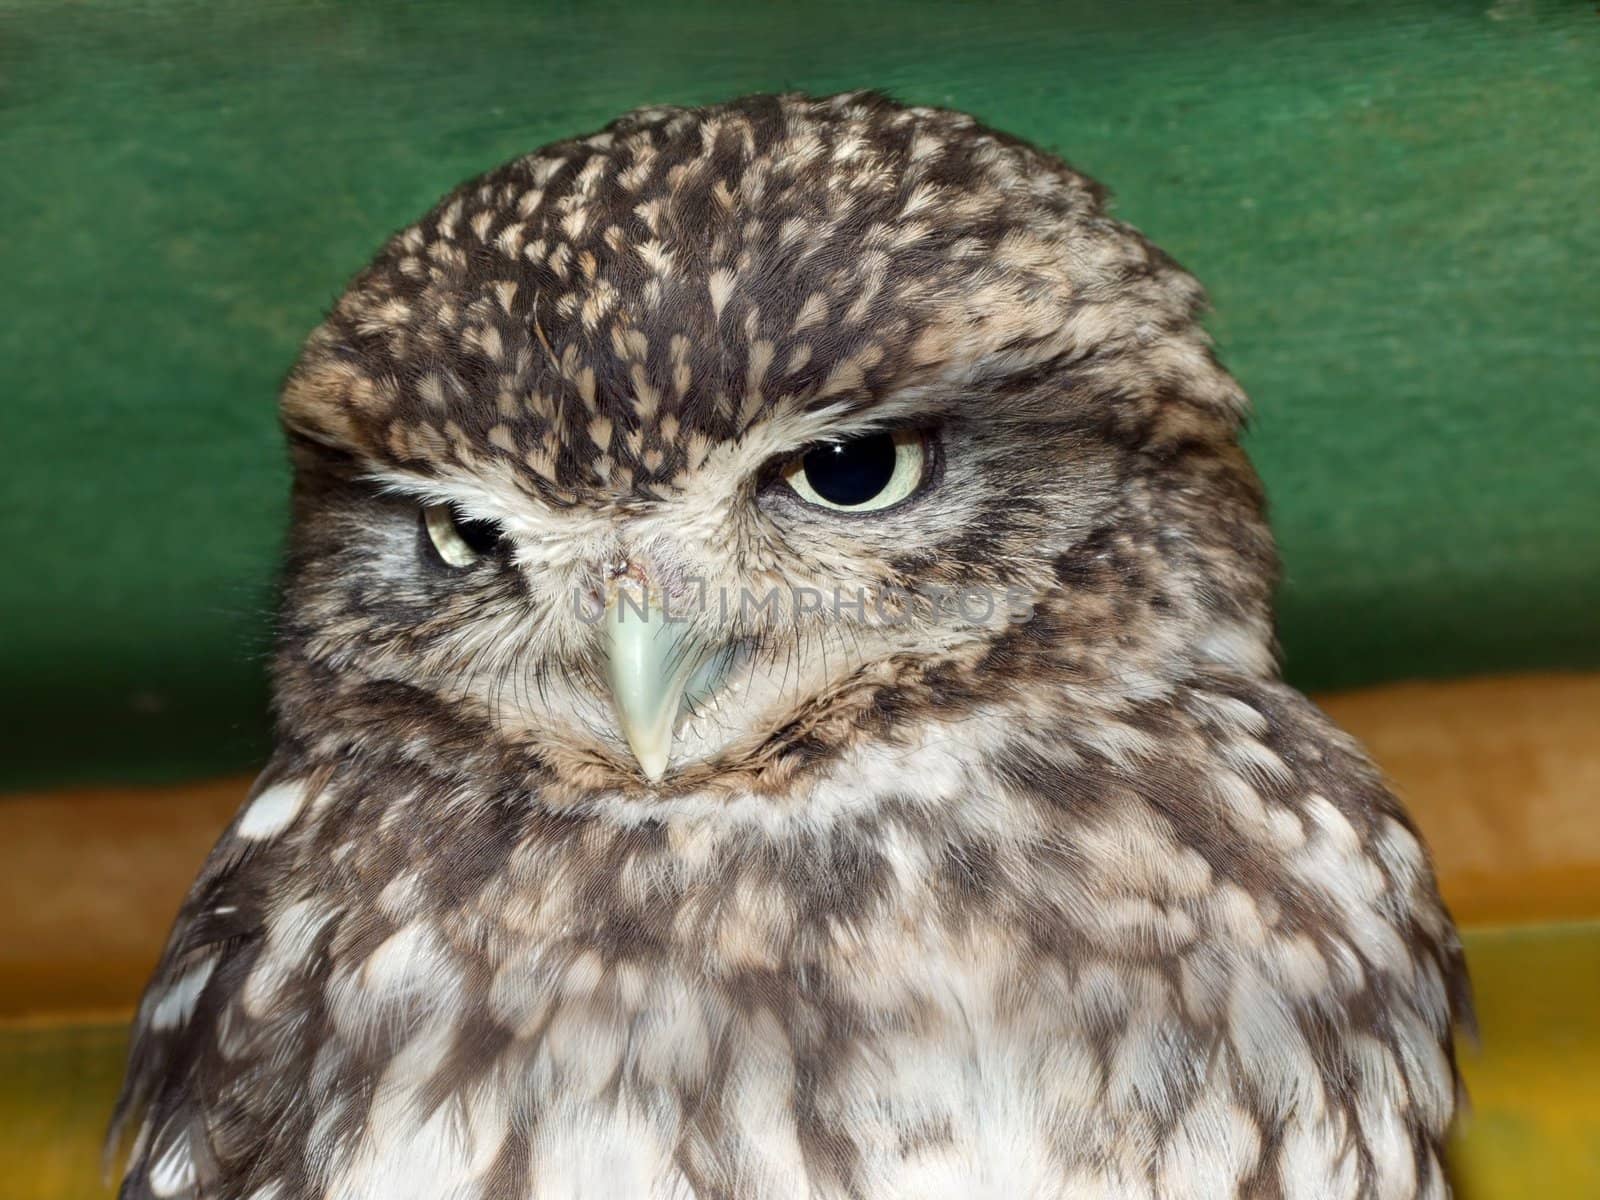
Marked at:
<point>863,474</point>
<point>457,539</point>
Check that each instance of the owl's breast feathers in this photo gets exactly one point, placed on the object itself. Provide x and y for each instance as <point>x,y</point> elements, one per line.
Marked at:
<point>1184,946</point>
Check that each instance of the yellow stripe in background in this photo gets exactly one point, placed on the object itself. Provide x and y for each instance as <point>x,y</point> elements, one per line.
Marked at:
<point>1532,1127</point>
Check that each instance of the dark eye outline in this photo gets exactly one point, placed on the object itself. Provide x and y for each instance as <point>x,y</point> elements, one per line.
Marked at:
<point>918,450</point>
<point>456,540</point>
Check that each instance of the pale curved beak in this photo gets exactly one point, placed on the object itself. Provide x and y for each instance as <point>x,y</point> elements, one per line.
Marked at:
<point>651,659</point>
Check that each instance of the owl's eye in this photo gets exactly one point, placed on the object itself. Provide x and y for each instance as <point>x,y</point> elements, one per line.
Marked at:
<point>864,474</point>
<point>458,540</point>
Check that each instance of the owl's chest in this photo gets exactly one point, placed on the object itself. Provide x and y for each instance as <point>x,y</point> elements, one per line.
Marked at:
<point>900,1015</point>
<point>914,1066</point>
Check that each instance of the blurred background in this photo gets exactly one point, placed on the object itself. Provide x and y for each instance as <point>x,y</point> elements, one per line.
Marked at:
<point>1395,206</point>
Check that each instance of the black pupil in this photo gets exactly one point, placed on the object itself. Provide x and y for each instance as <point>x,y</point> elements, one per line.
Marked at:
<point>850,473</point>
<point>482,536</point>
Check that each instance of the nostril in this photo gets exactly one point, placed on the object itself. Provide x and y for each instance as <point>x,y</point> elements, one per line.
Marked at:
<point>653,574</point>
<point>614,569</point>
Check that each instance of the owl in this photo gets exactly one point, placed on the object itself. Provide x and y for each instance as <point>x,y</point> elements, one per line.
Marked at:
<point>775,697</point>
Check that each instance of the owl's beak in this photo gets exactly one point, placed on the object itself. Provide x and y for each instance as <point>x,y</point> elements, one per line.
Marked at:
<point>651,659</point>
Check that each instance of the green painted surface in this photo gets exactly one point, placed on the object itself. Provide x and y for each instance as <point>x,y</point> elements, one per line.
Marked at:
<point>1396,206</point>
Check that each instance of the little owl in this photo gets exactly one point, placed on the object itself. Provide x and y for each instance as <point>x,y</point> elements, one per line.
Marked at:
<point>776,697</point>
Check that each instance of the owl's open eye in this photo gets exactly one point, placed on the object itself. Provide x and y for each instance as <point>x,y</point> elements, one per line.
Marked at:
<point>863,474</point>
<point>458,540</point>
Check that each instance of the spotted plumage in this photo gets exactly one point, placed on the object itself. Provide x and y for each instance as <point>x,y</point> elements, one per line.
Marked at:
<point>1058,893</point>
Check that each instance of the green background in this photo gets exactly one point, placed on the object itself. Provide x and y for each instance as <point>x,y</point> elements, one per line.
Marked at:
<point>1396,207</point>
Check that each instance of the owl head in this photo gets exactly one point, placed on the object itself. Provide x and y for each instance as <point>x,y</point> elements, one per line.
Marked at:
<point>689,454</point>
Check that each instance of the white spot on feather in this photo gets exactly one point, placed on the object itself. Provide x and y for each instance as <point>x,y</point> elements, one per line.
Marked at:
<point>273,810</point>
<point>291,940</point>
<point>178,1001</point>
<point>720,285</point>
<point>173,1172</point>
<point>1210,1151</point>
